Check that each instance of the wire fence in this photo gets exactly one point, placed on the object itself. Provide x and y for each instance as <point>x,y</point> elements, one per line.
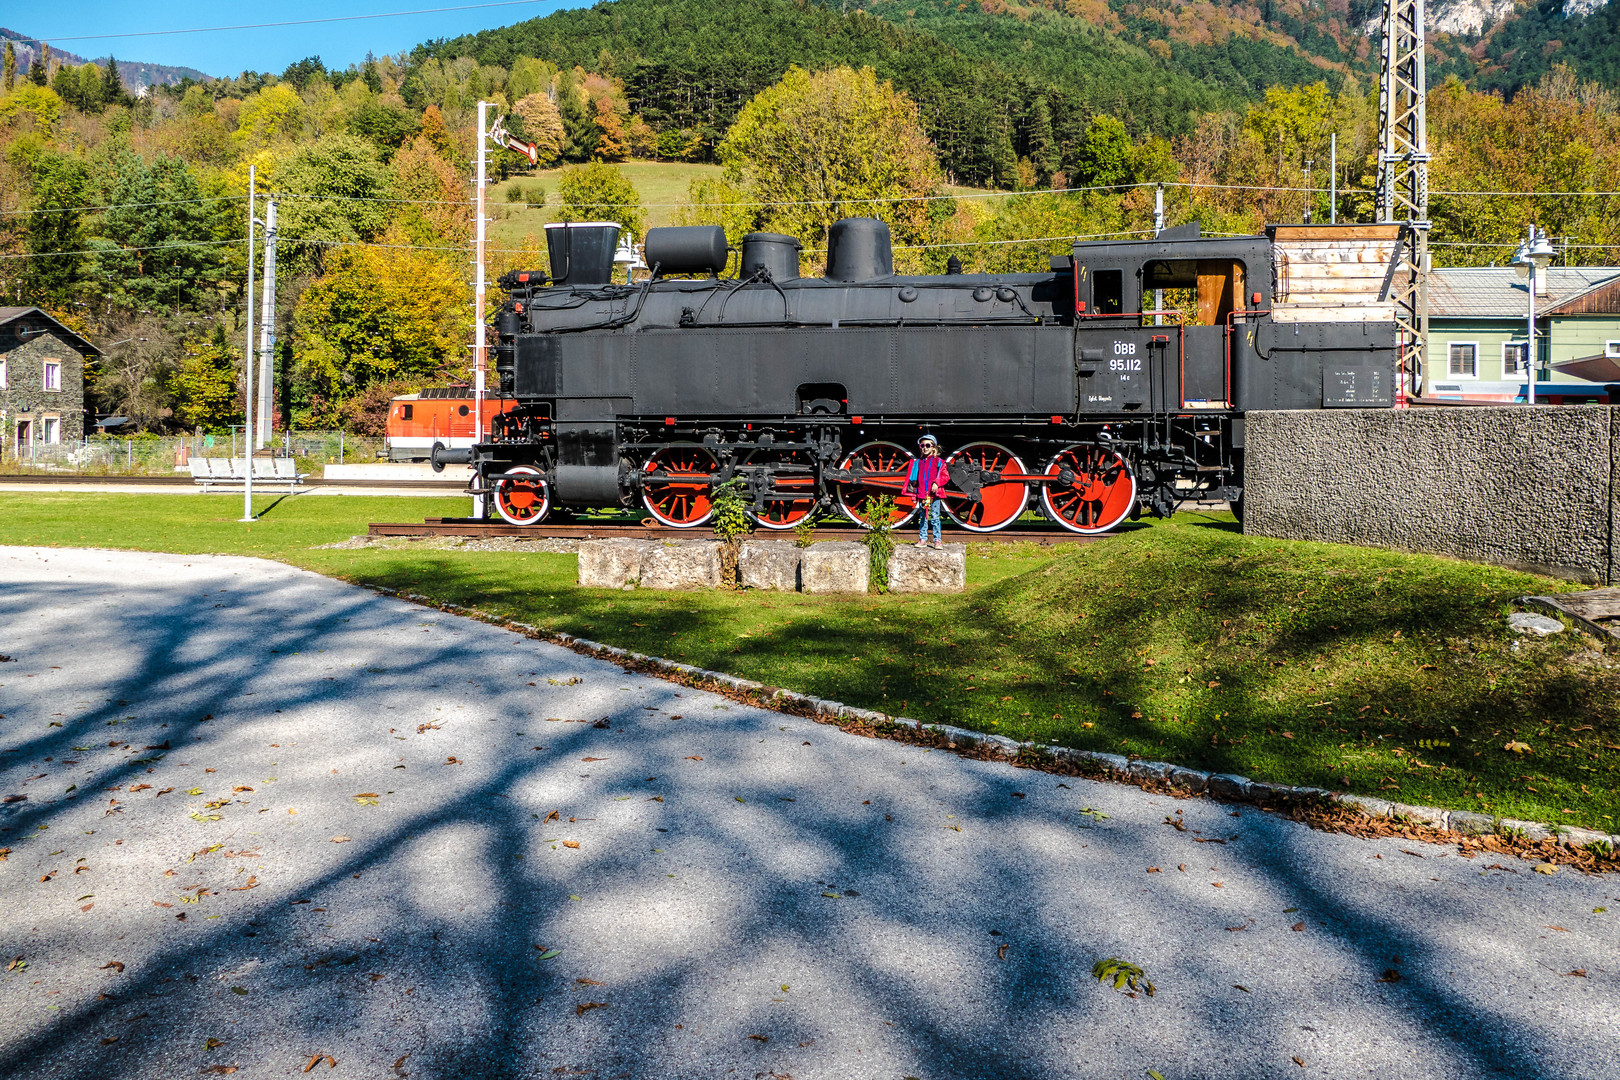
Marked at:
<point>102,455</point>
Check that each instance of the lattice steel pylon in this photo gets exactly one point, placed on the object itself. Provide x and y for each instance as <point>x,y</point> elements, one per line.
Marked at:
<point>1403,178</point>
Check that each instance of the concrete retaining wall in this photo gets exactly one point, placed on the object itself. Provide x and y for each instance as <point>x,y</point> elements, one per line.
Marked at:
<point>1533,488</point>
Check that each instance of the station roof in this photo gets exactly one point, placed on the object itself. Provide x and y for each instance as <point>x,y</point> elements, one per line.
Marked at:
<point>1497,292</point>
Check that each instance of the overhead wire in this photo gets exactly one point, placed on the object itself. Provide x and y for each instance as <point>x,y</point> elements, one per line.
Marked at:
<point>284,22</point>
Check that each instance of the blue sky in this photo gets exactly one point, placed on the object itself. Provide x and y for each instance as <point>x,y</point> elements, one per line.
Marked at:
<point>230,52</point>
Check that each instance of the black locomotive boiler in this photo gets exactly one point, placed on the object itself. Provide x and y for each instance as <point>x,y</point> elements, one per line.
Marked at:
<point>1068,390</point>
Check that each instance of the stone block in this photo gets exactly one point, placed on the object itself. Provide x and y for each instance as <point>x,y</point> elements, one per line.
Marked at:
<point>1366,804</point>
<point>682,564</point>
<point>835,566</point>
<point>1117,762</point>
<point>1579,838</point>
<point>1228,786</point>
<point>1526,622</point>
<point>1471,824</point>
<point>769,564</point>
<point>1187,779</point>
<point>611,564</point>
<point>1149,770</point>
<point>913,569</point>
<point>1422,815</point>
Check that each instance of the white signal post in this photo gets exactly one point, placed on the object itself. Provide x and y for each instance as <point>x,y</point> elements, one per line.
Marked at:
<point>478,293</point>
<point>499,136</point>
<point>247,355</point>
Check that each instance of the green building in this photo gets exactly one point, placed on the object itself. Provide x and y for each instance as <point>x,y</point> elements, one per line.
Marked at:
<point>1477,330</point>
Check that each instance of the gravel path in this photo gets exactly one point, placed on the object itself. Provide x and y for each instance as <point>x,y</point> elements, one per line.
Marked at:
<point>298,819</point>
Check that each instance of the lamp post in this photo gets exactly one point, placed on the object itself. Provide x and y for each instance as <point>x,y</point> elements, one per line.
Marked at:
<point>1530,260</point>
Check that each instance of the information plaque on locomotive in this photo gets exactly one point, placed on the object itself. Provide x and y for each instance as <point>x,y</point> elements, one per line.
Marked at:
<point>1359,386</point>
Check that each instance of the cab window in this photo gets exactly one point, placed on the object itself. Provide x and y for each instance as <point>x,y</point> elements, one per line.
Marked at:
<point>1108,292</point>
<point>404,412</point>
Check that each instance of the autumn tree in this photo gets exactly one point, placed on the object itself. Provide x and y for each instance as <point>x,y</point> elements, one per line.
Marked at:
<point>613,142</point>
<point>381,314</point>
<point>155,251</point>
<point>205,386</point>
<point>541,125</point>
<point>839,143</point>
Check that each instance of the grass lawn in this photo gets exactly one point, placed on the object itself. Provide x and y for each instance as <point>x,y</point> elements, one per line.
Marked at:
<point>662,186</point>
<point>1340,667</point>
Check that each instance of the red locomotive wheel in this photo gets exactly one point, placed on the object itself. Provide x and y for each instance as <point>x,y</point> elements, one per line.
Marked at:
<point>675,486</point>
<point>1101,495</point>
<point>522,502</point>
<point>799,482</point>
<point>999,504</point>
<point>880,468</point>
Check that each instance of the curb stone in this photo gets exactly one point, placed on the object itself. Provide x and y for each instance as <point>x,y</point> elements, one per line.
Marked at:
<point>1228,787</point>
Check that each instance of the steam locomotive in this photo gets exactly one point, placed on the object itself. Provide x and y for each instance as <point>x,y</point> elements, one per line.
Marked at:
<point>1116,382</point>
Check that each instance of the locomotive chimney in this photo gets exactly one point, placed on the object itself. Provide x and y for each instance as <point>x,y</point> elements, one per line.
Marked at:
<point>858,250</point>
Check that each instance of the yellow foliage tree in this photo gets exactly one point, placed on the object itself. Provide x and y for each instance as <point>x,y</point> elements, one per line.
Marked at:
<point>382,313</point>
<point>833,144</point>
<point>542,125</point>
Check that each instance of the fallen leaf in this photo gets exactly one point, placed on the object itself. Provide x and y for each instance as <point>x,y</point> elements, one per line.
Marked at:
<point>1390,976</point>
<point>1301,1061</point>
<point>588,982</point>
<point>1299,925</point>
<point>586,1006</point>
<point>555,815</point>
<point>340,839</point>
<point>1546,868</point>
<point>1239,986</point>
<point>549,954</point>
<point>1579,973</point>
<point>760,1038</point>
<point>1414,854</point>
<point>1153,869</point>
<point>239,789</point>
<point>109,1040</point>
<point>452,761</point>
<point>1001,953</point>
<point>221,1070</point>
<point>252,883</point>
<point>1288,734</point>
<point>316,1059</point>
<point>212,1043</point>
<point>693,757</point>
<point>116,965</point>
<point>571,843</point>
<point>1217,885</point>
<point>139,787</point>
<point>593,759</point>
<point>17,964</point>
<point>1560,929</point>
<point>1517,747</point>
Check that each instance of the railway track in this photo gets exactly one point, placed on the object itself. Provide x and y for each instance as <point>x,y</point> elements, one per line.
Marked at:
<point>593,531</point>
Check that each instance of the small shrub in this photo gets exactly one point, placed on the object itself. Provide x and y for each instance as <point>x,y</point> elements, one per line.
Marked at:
<point>731,524</point>
<point>804,533</point>
<point>879,538</point>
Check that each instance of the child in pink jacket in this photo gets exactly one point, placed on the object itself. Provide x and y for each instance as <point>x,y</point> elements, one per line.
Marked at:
<point>926,482</point>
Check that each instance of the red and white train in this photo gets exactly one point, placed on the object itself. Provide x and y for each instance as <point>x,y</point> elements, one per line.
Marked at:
<point>438,416</point>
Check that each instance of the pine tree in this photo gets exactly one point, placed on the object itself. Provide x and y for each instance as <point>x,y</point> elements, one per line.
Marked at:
<point>112,85</point>
<point>1043,148</point>
<point>369,72</point>
<point>38,71</point>
<point>8,77</point>
<point>580,133</point>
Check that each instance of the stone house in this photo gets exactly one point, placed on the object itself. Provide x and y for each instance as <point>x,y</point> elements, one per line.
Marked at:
<point>41,381</point>
<point>1477,324</point>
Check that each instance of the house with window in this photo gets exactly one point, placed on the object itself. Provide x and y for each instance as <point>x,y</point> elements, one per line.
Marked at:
<point>1478,334</point>
<point>41,380</point>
